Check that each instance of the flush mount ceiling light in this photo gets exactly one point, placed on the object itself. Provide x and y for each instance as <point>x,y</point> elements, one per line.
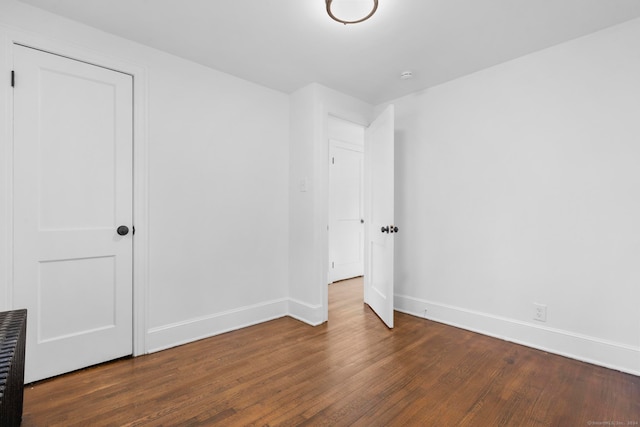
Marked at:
<point>351,11</point>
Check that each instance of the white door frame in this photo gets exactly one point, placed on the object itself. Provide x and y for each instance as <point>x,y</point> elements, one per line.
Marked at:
<point>140,170</point>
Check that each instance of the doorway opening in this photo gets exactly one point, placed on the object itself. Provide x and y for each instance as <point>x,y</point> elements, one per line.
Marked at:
<point>346,201</point>
<point>376,206</point>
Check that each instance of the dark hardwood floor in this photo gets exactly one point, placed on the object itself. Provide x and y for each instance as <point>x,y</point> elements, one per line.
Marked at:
<point>351,371</point>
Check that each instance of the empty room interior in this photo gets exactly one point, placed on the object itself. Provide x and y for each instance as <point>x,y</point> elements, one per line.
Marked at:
<point>320,212</point>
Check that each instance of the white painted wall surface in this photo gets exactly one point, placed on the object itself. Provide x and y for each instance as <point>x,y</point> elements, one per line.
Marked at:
<point>520,184</point>
<point>304,124</point>
<point>345,131</point>
<point>218,186</point>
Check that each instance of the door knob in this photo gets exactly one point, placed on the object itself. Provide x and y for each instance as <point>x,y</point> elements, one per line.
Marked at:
<point>123,230</point>
<point>385,229</point>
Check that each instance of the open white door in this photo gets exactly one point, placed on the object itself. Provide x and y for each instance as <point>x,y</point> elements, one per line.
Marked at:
<point>379,220</point>
<point>72,211</point>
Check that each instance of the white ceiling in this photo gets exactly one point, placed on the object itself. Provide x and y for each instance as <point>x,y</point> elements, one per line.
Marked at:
<point>287,44</point>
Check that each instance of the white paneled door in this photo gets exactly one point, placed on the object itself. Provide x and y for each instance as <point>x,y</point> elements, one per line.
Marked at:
<point>379,209</point>
<point>346,229</point>
<point>73,142</point>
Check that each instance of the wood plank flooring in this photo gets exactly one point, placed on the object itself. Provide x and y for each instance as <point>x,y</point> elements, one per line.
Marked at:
<point>350,371</point>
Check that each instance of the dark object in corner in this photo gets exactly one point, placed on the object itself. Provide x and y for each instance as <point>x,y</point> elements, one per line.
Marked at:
<point>13,326</point>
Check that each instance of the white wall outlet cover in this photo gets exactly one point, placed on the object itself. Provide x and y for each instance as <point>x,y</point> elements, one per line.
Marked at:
<point>540,312</point>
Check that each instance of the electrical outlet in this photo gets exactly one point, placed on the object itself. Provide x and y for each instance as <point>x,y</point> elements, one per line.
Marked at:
<point>539,312</point>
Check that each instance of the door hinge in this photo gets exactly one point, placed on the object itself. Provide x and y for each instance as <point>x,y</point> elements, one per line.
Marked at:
<point>13,78</point>
<point>333,264</point>
<point>333,160</point>
<point>133,229</point>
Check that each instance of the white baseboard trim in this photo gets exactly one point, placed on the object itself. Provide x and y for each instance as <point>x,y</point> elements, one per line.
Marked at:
<point>588,349</point>
<point>307,313</point>
<point>175,334</point>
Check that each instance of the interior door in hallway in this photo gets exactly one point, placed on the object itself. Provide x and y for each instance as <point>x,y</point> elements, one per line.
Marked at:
<point>346,229</point>
<point>72,193</point>
<point>379,218</point>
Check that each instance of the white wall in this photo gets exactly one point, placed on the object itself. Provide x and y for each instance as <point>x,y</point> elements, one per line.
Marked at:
<point>309,210</point>
<point>303,266</point>
<point>218,160</point>
<point>520,184</point>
